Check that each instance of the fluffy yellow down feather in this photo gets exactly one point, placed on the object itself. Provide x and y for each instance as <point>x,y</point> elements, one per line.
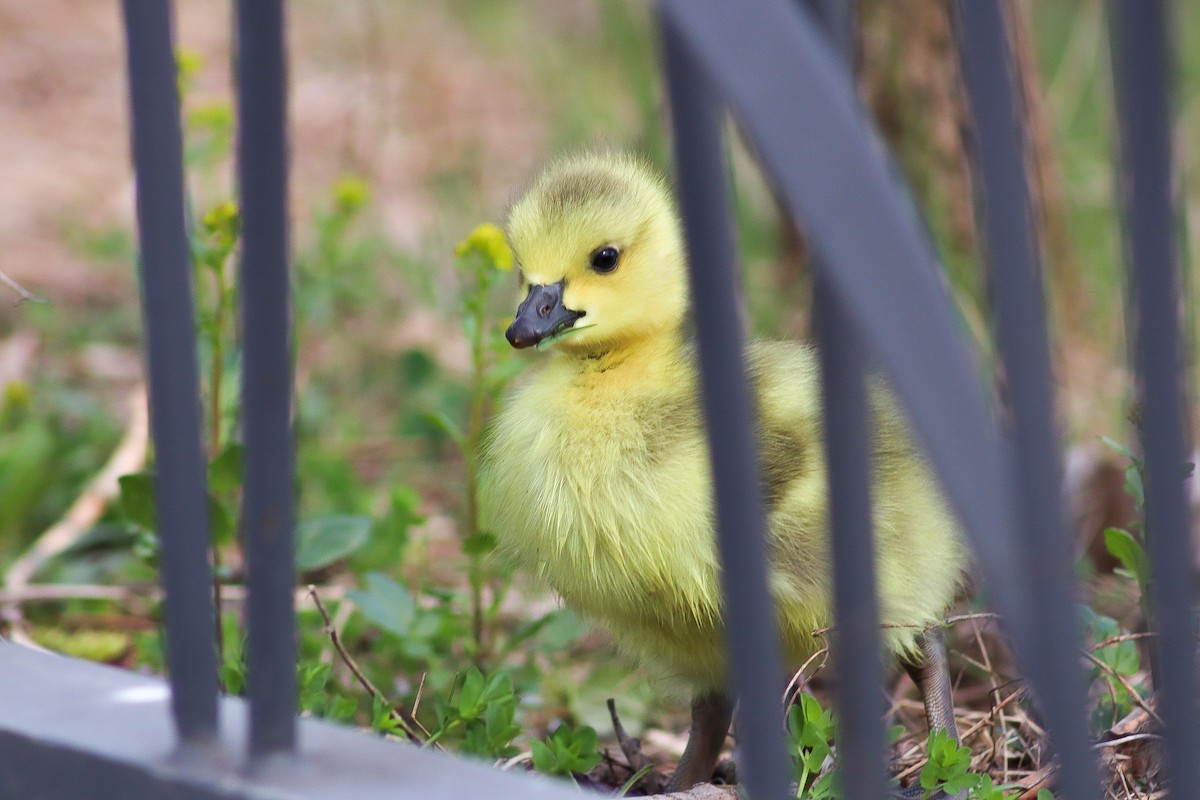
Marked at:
<point>597,475</point>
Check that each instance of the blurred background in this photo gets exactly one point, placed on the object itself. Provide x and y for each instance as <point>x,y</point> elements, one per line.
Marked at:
<point>411,123</point>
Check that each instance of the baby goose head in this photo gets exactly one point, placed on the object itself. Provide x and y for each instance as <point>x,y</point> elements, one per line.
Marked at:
<point>601,254</point>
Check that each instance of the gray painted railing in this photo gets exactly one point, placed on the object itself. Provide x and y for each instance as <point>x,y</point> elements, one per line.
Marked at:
<point>267,376</point>
<point>1143,81</point>
<point>1050,649</point>
<point>172,366</point>
<point>879,298</point>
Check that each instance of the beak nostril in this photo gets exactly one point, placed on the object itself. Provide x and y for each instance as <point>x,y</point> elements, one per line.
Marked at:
<point>540,315</point>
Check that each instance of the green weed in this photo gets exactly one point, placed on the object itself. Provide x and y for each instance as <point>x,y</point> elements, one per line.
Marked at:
<point>566,751</point>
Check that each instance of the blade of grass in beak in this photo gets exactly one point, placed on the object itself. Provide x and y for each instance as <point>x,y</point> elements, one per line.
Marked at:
<point>549,340</point>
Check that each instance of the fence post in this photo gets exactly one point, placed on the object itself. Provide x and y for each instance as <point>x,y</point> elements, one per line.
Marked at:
<point>847,417</point>
<point>180,484</point>
<point>1053,658</point>
<point>750,633</point>
<point>266,376</point>
<point>1142,78</point>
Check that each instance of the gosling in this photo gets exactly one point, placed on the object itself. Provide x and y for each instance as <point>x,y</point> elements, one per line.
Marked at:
<point>597,474</point>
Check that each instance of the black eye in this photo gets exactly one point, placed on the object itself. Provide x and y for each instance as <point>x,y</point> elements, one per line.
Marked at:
<point>605,259</point>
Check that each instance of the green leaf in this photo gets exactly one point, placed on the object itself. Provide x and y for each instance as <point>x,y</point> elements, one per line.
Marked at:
<point>568,750</point>
<point>543,758</point>
<point>219,521</point>
<point>1118,448</point>
<point>137,499</point>
<point>948,762</point>
<point>497,720</point>
<point>827,788</point>
<point>1102,627</point>
<point>499,687</point>
<point>1128,550</point>
<point>1134,487</point>
<point>471,694</point>
<point>1121,657</point>
<point>955,785</point>
<point>1045,794</point>
<point>322,540</point>
<point>386,603</point>
<point>225,471</point>
<point>447,426</point>
<point>233,677</point>
<point>479,544</point>
<point>634,778</point>
<point>343,709</point>
<point>416,368</point>
<point>585,742</point>
<point>795,722</point>
<point>811,707</point>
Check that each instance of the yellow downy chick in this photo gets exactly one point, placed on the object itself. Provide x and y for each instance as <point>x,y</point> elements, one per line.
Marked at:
<point>597,473</point>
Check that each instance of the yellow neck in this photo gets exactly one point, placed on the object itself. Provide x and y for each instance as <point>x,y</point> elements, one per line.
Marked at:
<point>650,358</point>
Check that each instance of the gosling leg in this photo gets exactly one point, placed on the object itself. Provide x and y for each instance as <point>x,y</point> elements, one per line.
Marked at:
<point>930,671</point>
<point>711,715</point>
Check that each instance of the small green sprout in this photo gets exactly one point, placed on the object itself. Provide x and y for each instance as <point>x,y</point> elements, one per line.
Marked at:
<point>810,739</point>
<point>948,767</point>
<point>567,751</point>
<point>482,716</point>
<point>484,254</point>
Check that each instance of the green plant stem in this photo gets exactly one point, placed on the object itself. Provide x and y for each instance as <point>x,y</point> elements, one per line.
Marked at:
<point>471,457</point>
<point>214,442</point>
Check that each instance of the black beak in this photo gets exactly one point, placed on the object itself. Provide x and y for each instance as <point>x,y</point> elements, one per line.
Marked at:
<point>540,315</point>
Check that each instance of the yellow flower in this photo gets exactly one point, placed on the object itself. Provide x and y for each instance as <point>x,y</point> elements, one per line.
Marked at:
<point>487,240</point>
<point>17,396</point>
<point>351,194</point>
<point>223,222</point>
<point>216,117</point>
<point>188,64</point>
<point>221,215</point>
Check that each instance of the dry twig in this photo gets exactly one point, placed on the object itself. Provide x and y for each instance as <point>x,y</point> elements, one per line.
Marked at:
<point>703,791</point>
<point>1137,698</point>
<point>55,592</point>
<point>407,722</point>
<point>634,756</point>
<point>1038,780</point>
<point>798,682</point>
<point>23,293</point>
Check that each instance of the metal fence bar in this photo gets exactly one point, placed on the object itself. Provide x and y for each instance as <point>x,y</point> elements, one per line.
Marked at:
<point>1018,306</point>
<point>180,480</point>
<point>266,375</point>
<point>856,647</point>
<point>1142,78</point>
<point>838,19</point>
<point>883,270</point>
<point>750,632</point>
<point>847,419</point>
